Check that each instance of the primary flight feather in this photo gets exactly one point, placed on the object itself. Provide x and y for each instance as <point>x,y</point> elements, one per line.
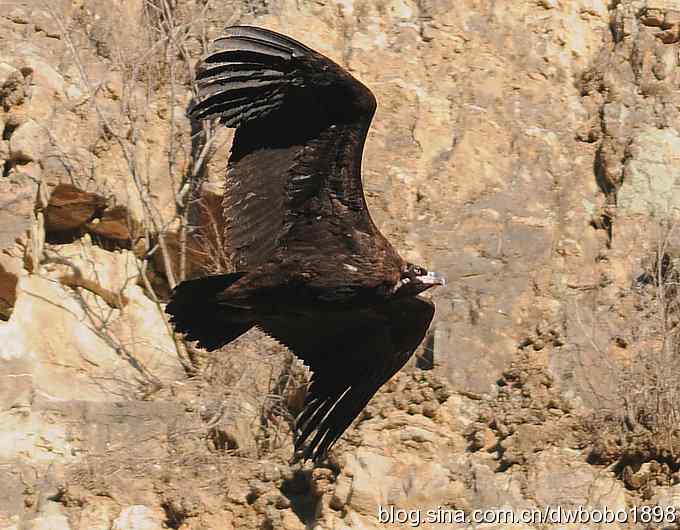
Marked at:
<point>311,268</point>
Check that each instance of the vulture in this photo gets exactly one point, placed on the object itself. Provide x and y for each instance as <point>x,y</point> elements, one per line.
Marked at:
<point>309,266</point>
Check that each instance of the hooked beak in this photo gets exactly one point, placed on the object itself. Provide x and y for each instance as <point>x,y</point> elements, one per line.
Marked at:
<point>433,278</point>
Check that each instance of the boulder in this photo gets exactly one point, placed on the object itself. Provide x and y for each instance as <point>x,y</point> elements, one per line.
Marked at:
<point>70,208</point>
<point>115,228</point>
<point>138,517</point>
<point>8,289</point>
<point>17,199</point>
<point>11,86</point>
<point>28,142</point>
<point>50,517</point>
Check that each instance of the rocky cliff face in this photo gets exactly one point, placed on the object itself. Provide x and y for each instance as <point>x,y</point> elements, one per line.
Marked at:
<point>529,150</point>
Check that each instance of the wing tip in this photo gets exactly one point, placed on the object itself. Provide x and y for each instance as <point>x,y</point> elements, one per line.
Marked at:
<point>308,452</point>
<point>243,75</point>
<point>261,64</point>
<point>266,35</point>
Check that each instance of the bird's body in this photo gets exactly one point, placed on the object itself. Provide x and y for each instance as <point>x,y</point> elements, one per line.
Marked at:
<point>311,268</point>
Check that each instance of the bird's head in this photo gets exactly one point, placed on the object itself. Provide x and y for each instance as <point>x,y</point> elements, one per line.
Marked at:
<point>415,279</point>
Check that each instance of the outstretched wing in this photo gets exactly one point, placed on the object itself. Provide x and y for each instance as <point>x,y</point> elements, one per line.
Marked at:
<point>294,174</point>
<point>351,356</point>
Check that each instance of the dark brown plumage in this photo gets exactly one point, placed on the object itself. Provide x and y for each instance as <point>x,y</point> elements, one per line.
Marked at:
<point>312,269</point>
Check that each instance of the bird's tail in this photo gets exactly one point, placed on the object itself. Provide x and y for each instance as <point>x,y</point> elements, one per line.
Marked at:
<point>195,310</point>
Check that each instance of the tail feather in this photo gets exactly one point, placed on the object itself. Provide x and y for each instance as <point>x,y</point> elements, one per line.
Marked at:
<point>194,310</point>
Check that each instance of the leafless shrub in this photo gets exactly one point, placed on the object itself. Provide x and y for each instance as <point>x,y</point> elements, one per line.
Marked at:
<point>645,425</point>
<point>282,404</point>
<point>653,391</point>
<point>188,241</point>
<point>156,64</point>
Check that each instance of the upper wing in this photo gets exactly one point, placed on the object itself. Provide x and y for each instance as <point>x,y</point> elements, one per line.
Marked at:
<point>351,356</point>
<point>295,165</point>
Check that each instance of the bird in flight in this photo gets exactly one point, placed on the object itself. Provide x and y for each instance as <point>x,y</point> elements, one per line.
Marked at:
<point>310,268</point>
